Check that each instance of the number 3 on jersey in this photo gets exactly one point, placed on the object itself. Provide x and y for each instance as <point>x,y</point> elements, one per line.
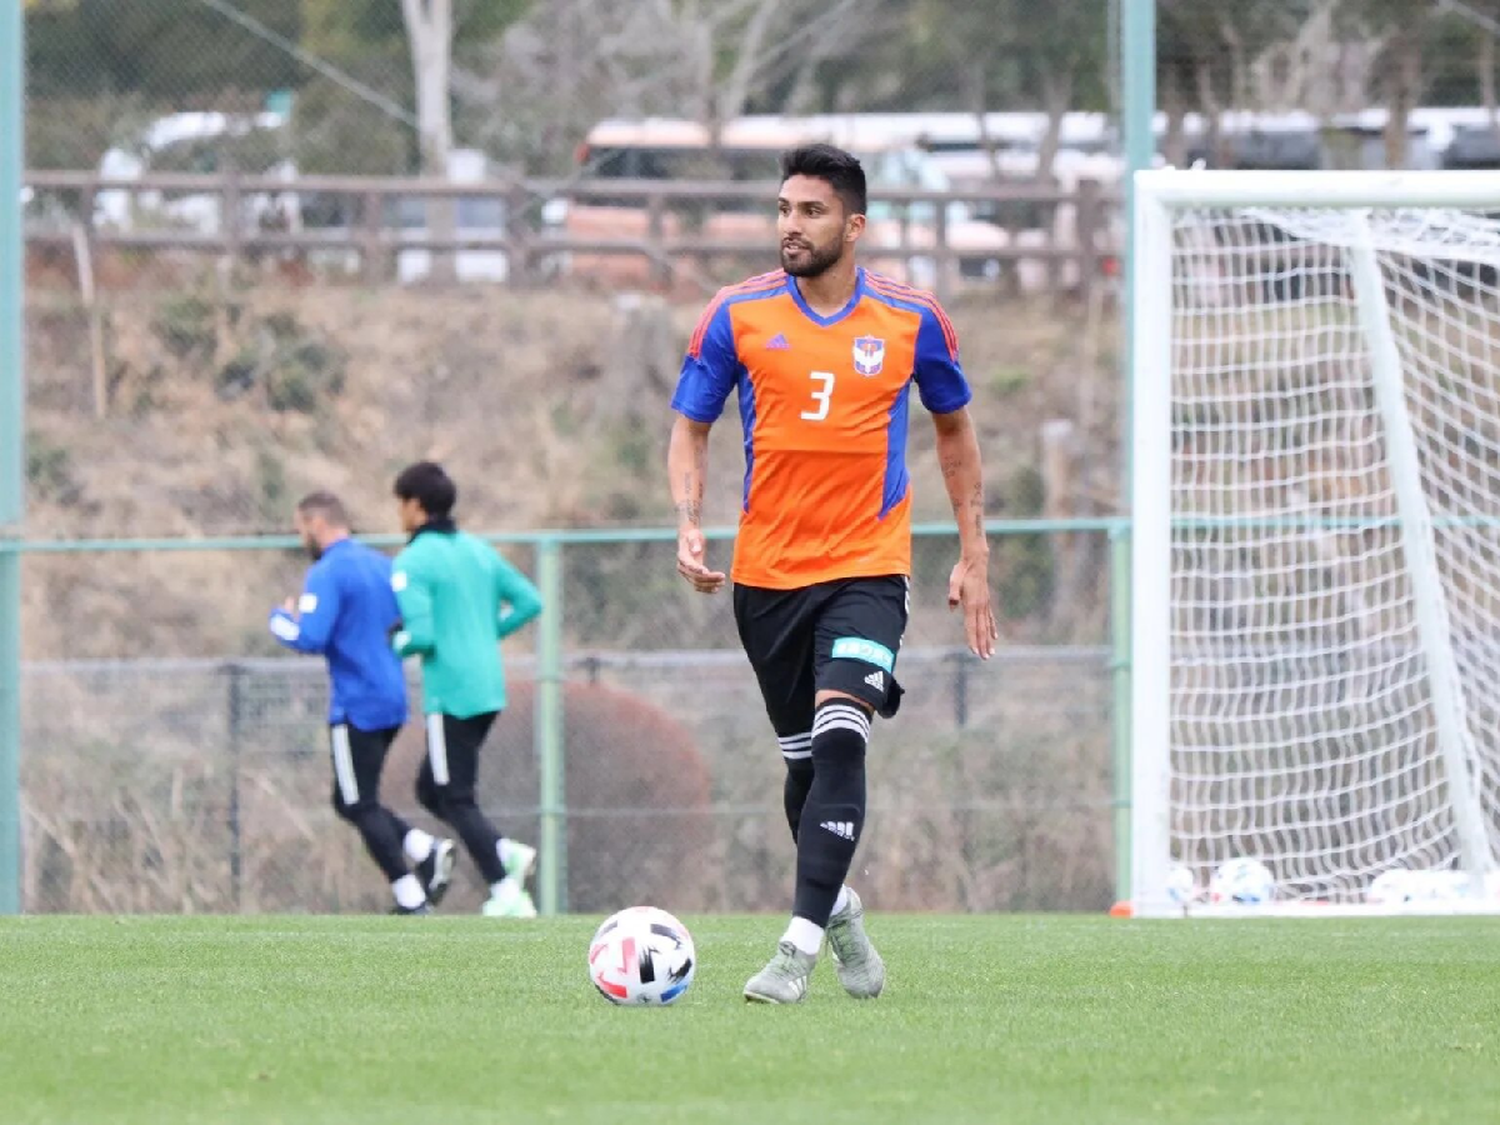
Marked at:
<point>821,395</point>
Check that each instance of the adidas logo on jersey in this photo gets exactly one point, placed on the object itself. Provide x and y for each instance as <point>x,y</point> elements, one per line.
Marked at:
<point>777,343</point>
<point>843,829</point>
<point>876,680</point>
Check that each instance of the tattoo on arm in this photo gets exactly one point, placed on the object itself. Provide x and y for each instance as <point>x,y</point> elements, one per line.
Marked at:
<point>690,507</point>
<point>970,508</point>
<point>960,462</point>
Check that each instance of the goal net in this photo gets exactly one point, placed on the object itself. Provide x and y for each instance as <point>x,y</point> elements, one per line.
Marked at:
<point>1316,542</point>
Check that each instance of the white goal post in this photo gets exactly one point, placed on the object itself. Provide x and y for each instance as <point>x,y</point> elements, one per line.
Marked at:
<point>1315,508</point>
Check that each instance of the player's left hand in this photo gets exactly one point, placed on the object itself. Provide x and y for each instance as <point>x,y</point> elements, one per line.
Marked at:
<point>290,605</point>
<point>969,587</point>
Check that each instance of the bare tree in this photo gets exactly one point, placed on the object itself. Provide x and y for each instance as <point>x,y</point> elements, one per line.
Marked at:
<point>734,92</point>
<point>1483,19</point>
<point>1208,48</point>
<point>760,42</point>
<point>1400,27</point>
<point>429,34</point>
<point>1323,67</point>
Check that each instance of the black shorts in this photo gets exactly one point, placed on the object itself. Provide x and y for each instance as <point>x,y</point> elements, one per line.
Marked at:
<point>834,636</point>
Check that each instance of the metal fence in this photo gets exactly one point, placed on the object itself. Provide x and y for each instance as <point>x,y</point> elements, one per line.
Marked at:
<point>635,749</point>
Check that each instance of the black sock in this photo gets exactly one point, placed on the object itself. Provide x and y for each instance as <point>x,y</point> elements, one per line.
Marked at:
<point>799,779</point>
<point>834,813</point>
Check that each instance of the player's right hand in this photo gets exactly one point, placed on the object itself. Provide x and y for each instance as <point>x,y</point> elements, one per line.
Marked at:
<point>690,563</point>
<point>969,590</point>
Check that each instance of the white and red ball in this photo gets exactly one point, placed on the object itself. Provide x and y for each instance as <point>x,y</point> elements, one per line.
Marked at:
<point>642,955</point>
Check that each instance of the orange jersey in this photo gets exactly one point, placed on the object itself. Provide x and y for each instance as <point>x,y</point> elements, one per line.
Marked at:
<point>824,402</point>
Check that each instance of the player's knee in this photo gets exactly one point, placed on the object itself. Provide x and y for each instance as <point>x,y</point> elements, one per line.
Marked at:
<point>430,796</point>
<point>355,811</point>
<point>794,790</point>
<point>841,732</point>
<point>458,802</point>
<point>799,771</point>
<point>342,809</point>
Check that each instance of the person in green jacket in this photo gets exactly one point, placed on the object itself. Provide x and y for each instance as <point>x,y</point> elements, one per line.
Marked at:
<point>458,598</point>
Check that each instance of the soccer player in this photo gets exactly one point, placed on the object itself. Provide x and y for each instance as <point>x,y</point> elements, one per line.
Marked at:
<point>458,599</point>
<point>346,613</point>
<point>822,354</point>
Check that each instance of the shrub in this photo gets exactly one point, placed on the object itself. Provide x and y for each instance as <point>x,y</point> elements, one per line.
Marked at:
<point>186,328</point>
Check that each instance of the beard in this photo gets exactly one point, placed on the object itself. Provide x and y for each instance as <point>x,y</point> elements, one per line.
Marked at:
<point>314,551</point>
<point>811,261</point>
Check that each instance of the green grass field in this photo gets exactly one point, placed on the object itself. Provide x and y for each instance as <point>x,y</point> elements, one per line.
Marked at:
<point>985,1019</point>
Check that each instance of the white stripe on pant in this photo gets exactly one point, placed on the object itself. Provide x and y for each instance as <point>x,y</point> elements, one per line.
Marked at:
<point>437,749</point>
<point>343,764</point>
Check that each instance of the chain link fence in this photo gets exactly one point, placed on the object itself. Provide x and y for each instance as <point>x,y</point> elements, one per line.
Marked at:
<point>156,782</point>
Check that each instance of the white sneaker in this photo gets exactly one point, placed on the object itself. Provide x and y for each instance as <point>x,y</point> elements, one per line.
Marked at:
<point>509,900</point>
<point>861,970</point>
<point>436,871</point>
<point>784,979</point>
<point>518,859</point>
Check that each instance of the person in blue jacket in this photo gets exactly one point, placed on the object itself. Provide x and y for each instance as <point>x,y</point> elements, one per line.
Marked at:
<point>346,614</point>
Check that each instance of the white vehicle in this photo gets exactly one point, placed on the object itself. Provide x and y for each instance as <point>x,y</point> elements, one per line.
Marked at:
<point>475,217</point>
<point>202,212</point>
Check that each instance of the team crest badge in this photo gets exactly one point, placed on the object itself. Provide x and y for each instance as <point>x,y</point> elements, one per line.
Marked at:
<point>869,355</point>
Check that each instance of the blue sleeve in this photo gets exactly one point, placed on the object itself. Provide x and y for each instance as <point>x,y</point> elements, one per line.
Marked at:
<point>940,378</point>
<point>516,599</point>
<point>711,367</point>
<point>317,614</point>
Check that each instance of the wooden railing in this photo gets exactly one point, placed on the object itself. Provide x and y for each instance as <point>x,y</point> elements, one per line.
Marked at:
<point>656,224</point>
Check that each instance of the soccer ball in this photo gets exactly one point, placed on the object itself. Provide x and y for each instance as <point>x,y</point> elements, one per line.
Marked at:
<point>1400,887</point>
<point>1245,881</point>
<point>1182,887</point>
<point>642,955</point>
<point>1391,888</point>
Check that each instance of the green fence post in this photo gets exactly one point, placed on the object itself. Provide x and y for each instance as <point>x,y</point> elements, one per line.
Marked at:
<point>552,870</point>
<point>12,453</point>
<point>1119,665</point>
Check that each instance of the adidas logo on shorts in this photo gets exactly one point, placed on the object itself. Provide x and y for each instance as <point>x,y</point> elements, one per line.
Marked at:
<point>876,680</point>
<point>843,829</point>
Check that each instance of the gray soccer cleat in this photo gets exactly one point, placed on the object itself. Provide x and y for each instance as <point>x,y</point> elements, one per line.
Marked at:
<point>860,969</point>
<point>784,980</point>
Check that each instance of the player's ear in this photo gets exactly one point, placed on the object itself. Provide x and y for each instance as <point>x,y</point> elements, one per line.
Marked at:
<point>854,227</point>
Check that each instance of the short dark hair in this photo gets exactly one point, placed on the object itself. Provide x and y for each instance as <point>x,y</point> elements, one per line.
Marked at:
<point>841,169</point>
<point>325,504</point>
<point>431,487</point>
